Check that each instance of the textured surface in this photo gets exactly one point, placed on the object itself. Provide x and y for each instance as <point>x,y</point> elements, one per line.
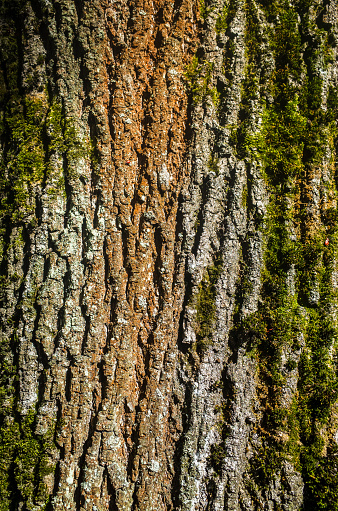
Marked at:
<point>168,222</point>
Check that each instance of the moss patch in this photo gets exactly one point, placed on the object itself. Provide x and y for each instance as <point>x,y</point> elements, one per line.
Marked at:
<point>24,462</point>
<point>39,150</point>
<point>198,76</point>
<point>206,306</point>
<point>292,139</point>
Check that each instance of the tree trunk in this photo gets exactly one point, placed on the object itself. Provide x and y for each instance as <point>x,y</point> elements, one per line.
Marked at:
<point>168,255</point>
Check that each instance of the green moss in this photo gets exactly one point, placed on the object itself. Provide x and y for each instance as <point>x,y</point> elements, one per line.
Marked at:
<point>32,130</point>
<point>24,163</point>
<point>218,451</point>
<point>35,131</point>
<point>206,306</point>
<point>205,10</point>
<point>22,160</point>
<point>213,164</point>
<point>289,146</point>
<point>222,20</point>
<point>24,455</point>
<point>24,462</point>
<point>322,478</point>
<point>281,142</point>
<point>250,84</point>
<point>64,141</point>
<point>198,76</point>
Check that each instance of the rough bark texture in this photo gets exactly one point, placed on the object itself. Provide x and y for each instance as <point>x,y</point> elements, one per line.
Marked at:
<point>168,255</point>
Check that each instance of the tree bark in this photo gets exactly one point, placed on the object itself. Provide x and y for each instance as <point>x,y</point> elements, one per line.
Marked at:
<point>168,255</point>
